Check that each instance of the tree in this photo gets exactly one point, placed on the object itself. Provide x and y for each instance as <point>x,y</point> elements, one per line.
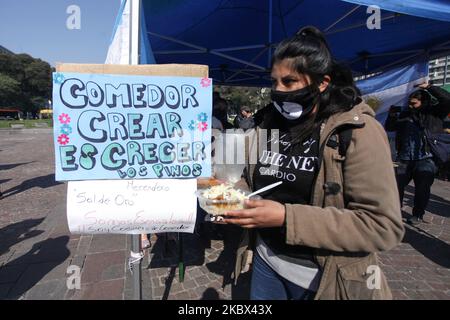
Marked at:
<point>9,89</point>
<point>255,98</point>
<point>34,78</point>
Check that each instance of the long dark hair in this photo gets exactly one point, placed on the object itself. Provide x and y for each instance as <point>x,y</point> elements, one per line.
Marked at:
<point>309,54</point>
<point>424,97</point>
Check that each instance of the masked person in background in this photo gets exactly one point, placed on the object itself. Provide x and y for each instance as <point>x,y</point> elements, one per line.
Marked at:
<point>427,110</point>
<point>316,235</point>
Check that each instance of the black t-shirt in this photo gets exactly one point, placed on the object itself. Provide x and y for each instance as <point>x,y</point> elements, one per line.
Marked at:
<point>296,165</point>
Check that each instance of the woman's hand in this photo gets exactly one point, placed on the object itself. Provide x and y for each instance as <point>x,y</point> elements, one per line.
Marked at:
<point>258,214</point>
<point>424,85</point>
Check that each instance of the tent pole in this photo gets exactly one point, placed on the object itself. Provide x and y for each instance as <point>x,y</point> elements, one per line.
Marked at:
<point>342,18</point>
<point>177,52</point>
<point>212,51</point>
<point>136,251</point>
<point>396,62</point>
<point>269,56</point>
<point>393,53</point>
<point>134,31</point>
<point>442,44</point>
<point>359,25</point>
<point>246,63</point>
<point>245,67</point>
<point>256,46</point>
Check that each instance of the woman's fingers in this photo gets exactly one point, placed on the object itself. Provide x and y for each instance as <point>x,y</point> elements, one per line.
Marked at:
<point>245,213</point>
<point>254,203</point>
<point>241,222</point>
<point>243,218</point>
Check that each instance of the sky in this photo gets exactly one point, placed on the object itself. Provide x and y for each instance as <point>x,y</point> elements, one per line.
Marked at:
<point>38,27</point>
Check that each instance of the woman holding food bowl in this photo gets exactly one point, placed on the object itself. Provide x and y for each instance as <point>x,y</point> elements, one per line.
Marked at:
<point>316,235</point>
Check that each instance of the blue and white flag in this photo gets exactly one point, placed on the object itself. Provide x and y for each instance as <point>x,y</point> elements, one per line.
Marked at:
<point>119,48</point>
<point>392,87</point>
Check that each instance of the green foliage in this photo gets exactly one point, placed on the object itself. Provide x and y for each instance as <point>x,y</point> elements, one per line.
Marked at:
<point>9,90</point>
<point>27,82</point>
<point>255,98</point>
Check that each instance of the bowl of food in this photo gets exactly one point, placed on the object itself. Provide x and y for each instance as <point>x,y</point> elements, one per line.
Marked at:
<point>217,200</point>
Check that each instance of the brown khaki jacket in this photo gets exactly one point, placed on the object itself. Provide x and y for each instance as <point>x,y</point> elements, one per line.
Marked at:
<point>345,233</point>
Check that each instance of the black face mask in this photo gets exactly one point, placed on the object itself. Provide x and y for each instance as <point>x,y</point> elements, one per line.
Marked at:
<point>296,104</point>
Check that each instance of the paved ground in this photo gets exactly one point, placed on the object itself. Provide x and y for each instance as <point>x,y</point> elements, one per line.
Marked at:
<point>36,247</point>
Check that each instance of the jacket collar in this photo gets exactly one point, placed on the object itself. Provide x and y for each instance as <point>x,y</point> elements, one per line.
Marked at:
<point>353,118</point>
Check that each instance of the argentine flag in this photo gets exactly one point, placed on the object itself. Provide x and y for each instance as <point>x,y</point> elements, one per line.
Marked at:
<point>392,87</point>
<point>119,48</point>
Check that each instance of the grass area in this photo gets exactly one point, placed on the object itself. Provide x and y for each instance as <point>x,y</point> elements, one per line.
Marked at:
<point>26,123</point>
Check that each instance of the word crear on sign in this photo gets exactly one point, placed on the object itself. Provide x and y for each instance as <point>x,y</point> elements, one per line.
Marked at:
<point>131,127</point>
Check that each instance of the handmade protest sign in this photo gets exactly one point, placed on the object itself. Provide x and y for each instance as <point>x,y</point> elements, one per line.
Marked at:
<point>131,126</point>
<point>131,206</point>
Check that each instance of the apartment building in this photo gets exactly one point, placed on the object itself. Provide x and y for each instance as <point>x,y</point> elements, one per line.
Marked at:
<point>439,71</point>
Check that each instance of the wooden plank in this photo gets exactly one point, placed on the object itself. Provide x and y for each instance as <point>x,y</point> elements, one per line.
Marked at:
<point>180,70</point>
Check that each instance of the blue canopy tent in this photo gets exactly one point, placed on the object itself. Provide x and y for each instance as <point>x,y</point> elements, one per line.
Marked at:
<point>236,38</point>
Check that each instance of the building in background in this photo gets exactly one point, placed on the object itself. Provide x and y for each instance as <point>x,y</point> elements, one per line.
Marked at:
<point>439,71</point>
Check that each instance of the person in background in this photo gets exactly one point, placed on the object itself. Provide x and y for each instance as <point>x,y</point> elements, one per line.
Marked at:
<point>427,110</point>
<point>220,114</point>
<point>145,241</point>
<point>216,123</point>
<point>445,173</point>
<point>244,120</point>
<point>259,116</point>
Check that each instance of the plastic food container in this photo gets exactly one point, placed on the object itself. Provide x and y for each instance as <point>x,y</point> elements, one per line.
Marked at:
<point>219,207</point>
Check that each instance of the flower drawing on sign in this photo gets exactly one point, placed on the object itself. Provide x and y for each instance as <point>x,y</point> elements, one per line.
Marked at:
<point>205,82</point>
<point>191,125</point>
<point>64,118</point>
<point>63,139</point>
<point>58,78</point>
<point>66,129</point>
<point>202,117</point>
<point>202,126</point>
